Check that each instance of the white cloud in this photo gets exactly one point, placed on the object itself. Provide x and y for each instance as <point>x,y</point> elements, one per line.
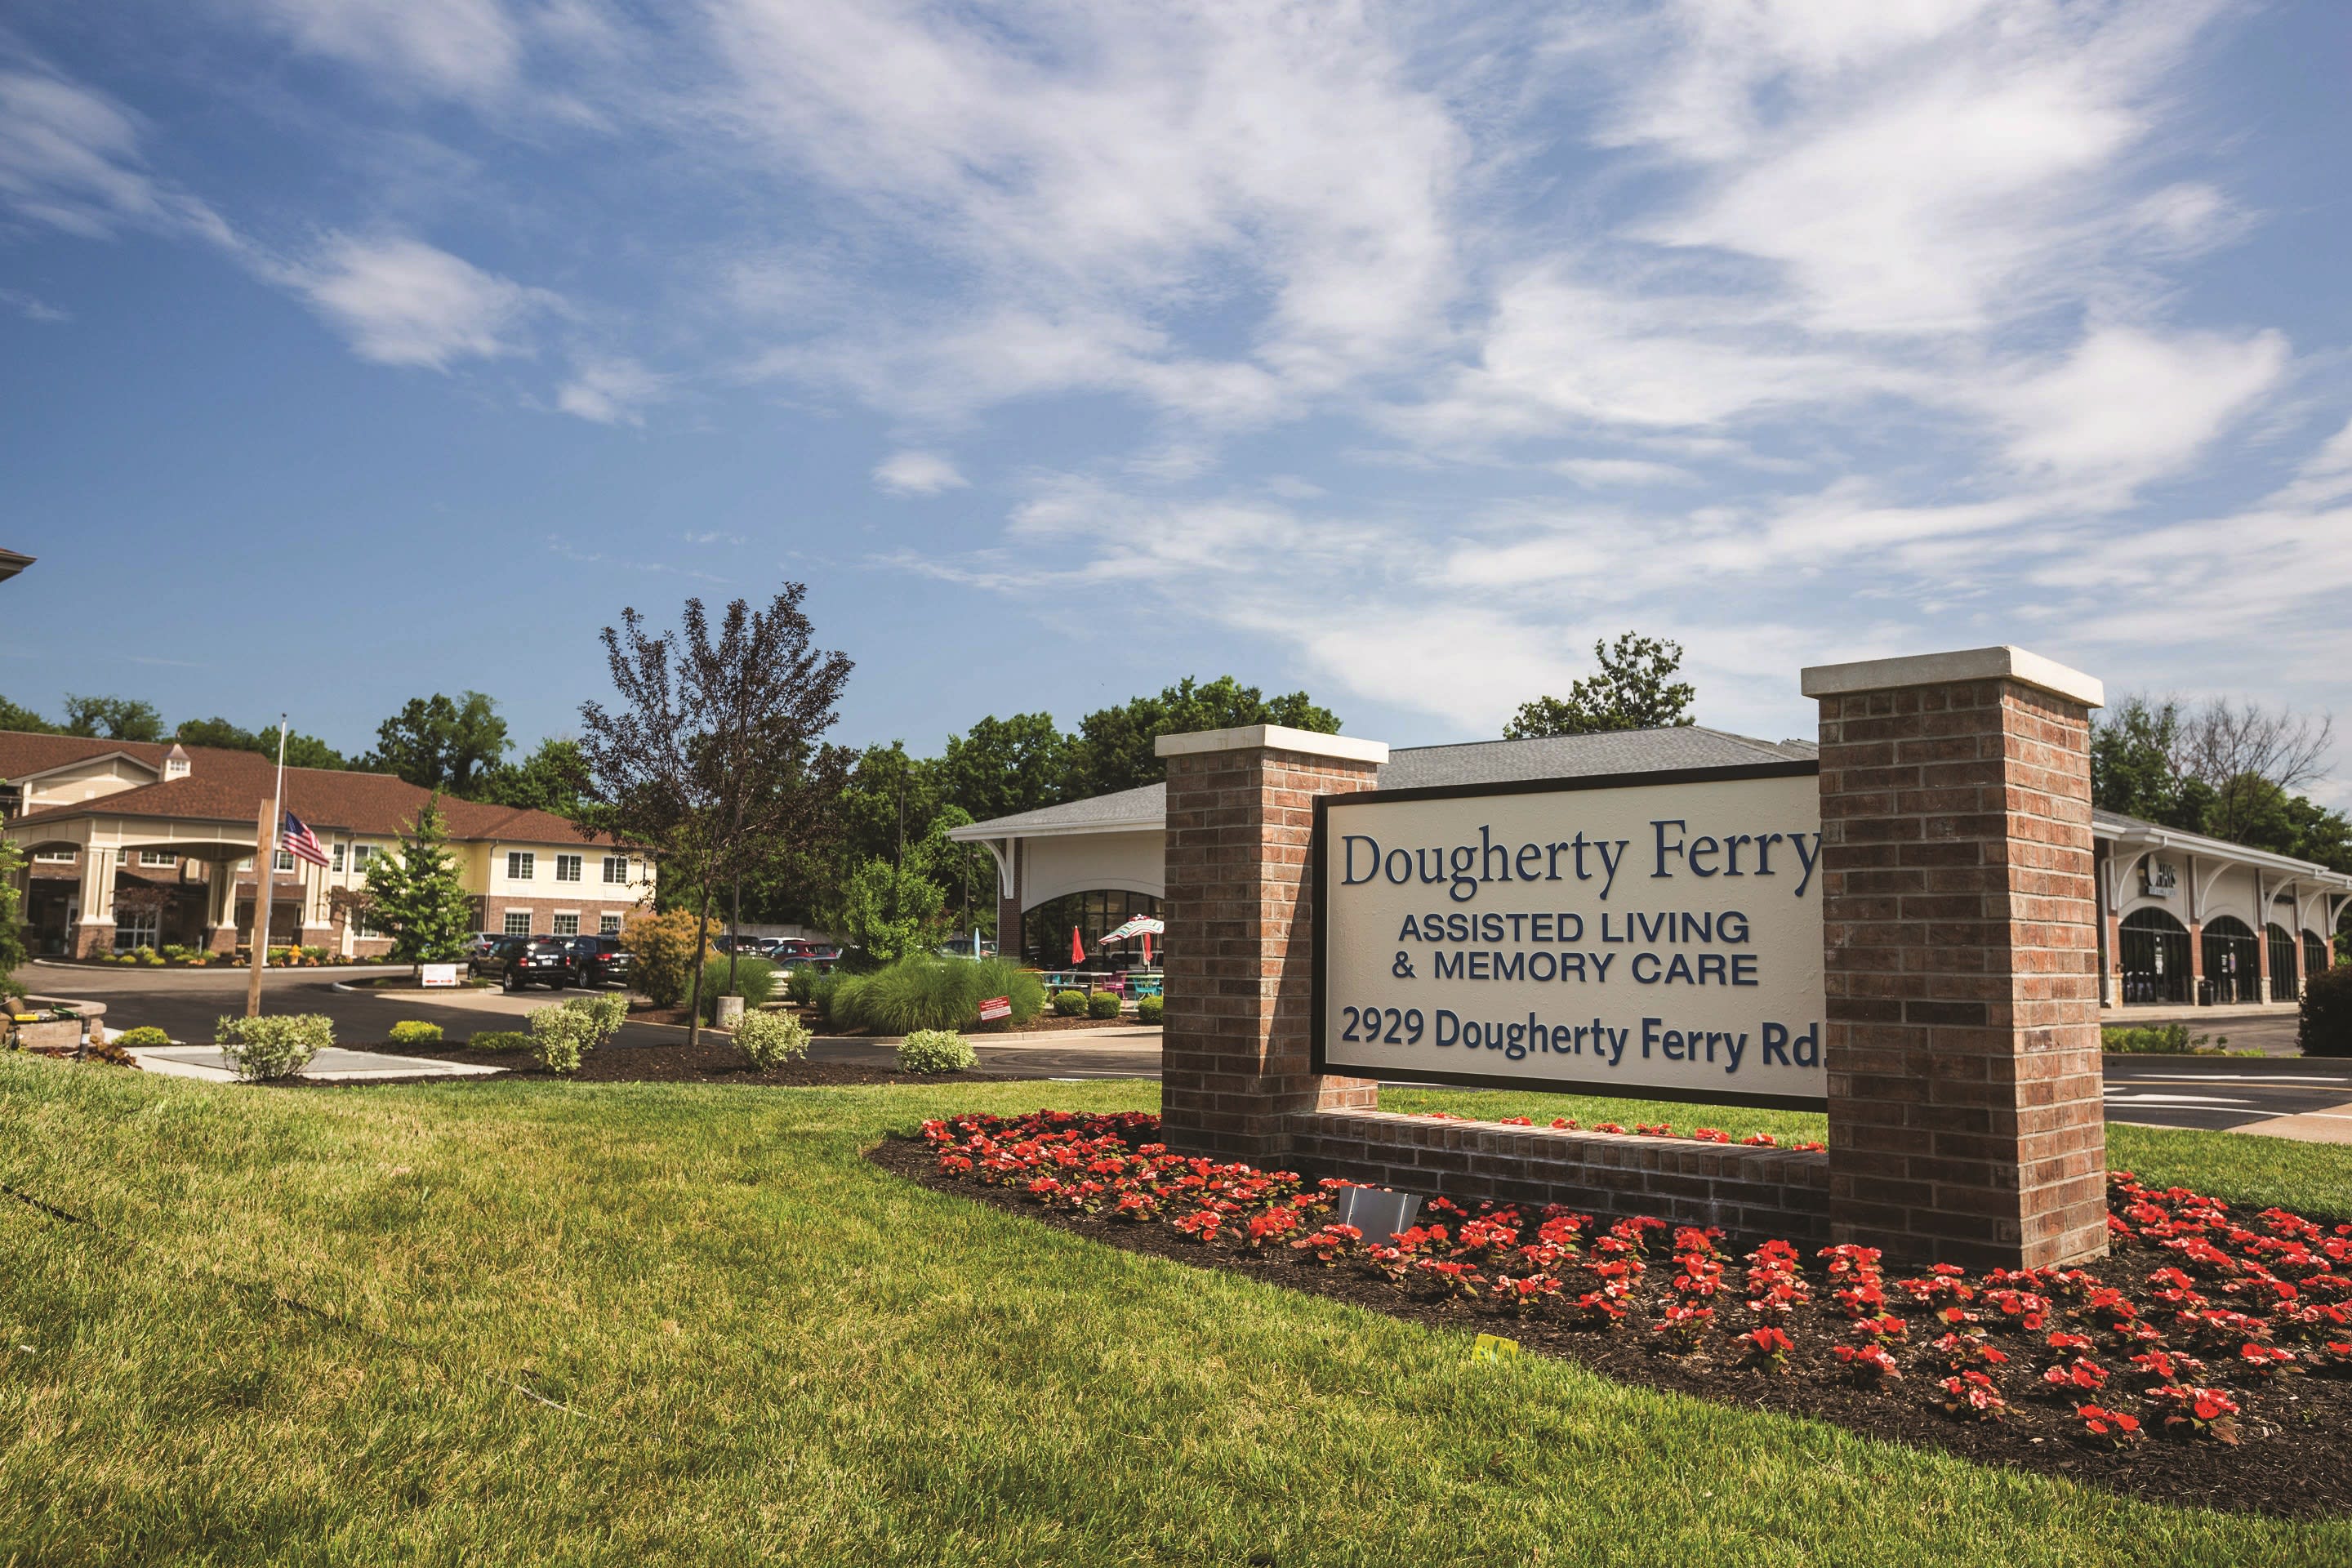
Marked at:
<point>403,302</point>
<point>1087,171</point>
<point>465,49</point>
<point>610,391</point>
<point>918,474</point>
<point>2127,407</point>
<point>70,158</point>
<point>1596,472</point>
<point>32,308</point>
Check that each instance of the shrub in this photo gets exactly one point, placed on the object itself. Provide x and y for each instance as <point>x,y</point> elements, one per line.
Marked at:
<point>800,985</point>
<point>563,1034</point>
<point>755,981</point>
<point>1103,1005</point>
<point>936,1050</point>
<point>768,1040</point>
<point>1149,1008</point>
<point>415,1032</point>
<point>1070,1003</point>
<point>145,1034</point>
<point>501,1041</point>
<point>2326,1022</point>
<point>663,946</point>
<point>277,1047</point>
<point>927,992</point>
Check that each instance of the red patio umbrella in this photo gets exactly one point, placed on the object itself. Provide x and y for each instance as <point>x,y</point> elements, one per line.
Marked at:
<point>1078,948</point>
<point>1147,948</point>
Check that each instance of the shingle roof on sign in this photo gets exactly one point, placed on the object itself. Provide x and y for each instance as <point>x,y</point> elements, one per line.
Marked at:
<point>1418,767</point>
<point>1577,756</point>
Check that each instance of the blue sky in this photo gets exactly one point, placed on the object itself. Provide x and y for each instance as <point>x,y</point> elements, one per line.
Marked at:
<point>356,349</point>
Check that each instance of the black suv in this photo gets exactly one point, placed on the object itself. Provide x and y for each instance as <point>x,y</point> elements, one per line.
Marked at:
<point>600,961</point>
<point>519,961</point>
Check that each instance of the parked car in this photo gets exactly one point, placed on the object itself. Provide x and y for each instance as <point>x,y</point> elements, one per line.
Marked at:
<point>519,961</point>
<point>787,947</point>
<point>483,941</point>
<point>600,961</point>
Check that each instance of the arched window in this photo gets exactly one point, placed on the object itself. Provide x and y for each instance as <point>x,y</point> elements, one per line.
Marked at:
<point>2155,953</point>
<point>2234,965</point>
<point>2286,984</point>
<point>2314,952</point>
<point>1046,930</point>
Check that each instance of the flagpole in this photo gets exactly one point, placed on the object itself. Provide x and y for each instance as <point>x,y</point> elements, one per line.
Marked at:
<point>265,870</point>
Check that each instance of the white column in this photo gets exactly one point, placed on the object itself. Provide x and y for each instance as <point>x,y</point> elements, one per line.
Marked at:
<point>95,933</point>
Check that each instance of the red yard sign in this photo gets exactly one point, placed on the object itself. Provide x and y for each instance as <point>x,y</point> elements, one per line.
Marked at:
<point>995,1007</point>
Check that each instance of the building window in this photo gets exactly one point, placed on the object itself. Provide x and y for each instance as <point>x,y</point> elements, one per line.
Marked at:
<point>158,857</point>
<point>608,925</point>
<point>361,925</point>
<point>245,864</point>
<point>567,867</point>
<point>339,857</point>
<point>567,925</point>
<point>361,854</point>
<point>57,855</point>
<point>283,861</point>
<point>521,865</point>
<point>616,868</point>
<point>518,922</point>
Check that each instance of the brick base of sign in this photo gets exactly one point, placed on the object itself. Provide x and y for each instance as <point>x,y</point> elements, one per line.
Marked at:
<point>1747,1192</point>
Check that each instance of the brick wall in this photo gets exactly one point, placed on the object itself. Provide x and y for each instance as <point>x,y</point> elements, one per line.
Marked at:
<point>1962,1040</point>
<point>1235,1050</point>
<point>1751,1192</point>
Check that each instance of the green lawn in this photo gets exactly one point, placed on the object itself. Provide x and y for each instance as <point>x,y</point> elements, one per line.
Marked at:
<point>770,1351</point>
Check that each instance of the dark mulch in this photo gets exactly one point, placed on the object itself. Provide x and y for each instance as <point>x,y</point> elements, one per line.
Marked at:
<point>712,1060</point>
<point>2293,1459</point>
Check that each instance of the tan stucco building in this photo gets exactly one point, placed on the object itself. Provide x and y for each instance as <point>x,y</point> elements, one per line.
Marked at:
<point>131,844</point>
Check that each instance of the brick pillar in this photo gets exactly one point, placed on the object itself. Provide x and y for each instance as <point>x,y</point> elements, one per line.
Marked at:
<point>1235,1046</point>
<point>1963,1008</point>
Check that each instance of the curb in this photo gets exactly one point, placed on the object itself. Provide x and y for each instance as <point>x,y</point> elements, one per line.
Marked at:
<point>321,970</point>
<point>2331,1067</point>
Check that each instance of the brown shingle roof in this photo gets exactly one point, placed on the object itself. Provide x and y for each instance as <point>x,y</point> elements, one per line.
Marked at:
<point>230,786</point>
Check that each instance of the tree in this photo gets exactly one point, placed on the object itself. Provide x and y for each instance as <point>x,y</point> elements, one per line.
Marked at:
<point>436,743</point>
<point>416,896</point>
<point>1635,689</point>
<point>2135,764</point>
<point>550,780</point>
<point>1002,766</point>
<point>1114,748</point>
<point>2233,749</point>
<point>24,721</point>
<point>302,751</point>
<point>12,952</point>
<point>112,718</point>
<point>716,754</point>
<point>889,911</point>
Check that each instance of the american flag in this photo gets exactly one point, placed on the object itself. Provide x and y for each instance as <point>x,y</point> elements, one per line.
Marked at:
<point>299,841</point>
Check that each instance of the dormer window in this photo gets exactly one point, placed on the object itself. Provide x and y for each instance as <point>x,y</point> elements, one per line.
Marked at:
<point>176,763</point>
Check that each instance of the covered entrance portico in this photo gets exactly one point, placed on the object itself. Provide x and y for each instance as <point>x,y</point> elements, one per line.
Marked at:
<point>147,884</point>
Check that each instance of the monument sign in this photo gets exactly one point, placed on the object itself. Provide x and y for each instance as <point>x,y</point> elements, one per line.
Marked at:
<point>1658,935</point>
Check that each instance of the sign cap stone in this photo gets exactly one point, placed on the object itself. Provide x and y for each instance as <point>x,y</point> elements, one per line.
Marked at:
<point>1275,737</point>
<point>2002,663</point>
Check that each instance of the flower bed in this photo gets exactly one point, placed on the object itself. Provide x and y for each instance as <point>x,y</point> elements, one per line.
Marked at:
<point>2209,1359</point>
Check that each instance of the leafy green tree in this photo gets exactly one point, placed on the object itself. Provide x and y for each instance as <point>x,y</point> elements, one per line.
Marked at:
<point>1114,748</point>
<point>550,779</point>
<point>439,745</point>
<point>24,721</point>
<point>112,718</point>
<point>302,751</point>
<point>889,911</point>
<point>1635,689</point>
<point>1001,766</point>
<point>2135,765</point>
<point>415,895</point>
<point>13,953</point>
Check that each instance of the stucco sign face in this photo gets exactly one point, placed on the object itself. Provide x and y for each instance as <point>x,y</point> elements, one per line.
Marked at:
<point>1660,936</point>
